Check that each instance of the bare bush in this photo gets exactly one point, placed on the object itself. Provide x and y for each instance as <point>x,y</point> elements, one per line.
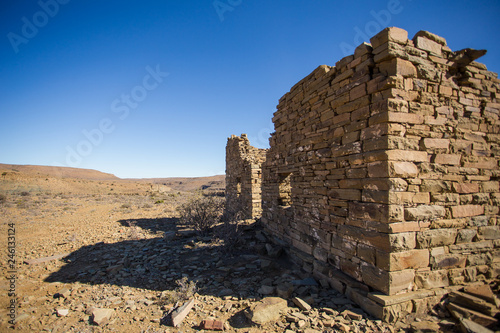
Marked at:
<point>3,198</point>
<point>202,212</point>
<point>230,232</point>
<point>184,291</point>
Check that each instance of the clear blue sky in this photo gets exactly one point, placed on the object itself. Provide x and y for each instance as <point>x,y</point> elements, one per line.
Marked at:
<point>85,83</point>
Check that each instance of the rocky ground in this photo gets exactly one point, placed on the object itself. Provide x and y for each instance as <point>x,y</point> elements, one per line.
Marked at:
<point>125,264</point>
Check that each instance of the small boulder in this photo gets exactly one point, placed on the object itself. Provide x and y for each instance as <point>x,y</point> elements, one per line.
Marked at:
<point>267,310</point>
<point>101,316</point>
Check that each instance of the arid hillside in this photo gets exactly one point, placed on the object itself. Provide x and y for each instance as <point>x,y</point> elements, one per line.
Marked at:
<point>36,179</point>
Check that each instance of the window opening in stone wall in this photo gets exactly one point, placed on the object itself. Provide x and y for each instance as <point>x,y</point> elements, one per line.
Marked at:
<point>285,190</point>
<point>238,187</point>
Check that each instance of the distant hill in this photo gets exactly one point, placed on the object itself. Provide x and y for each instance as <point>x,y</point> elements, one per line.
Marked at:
<point>58,172</point>
<point>213,183</point>
<point>188,184</point>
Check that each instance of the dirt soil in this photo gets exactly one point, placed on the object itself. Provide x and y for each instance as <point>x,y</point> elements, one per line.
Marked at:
<point>120,248</point>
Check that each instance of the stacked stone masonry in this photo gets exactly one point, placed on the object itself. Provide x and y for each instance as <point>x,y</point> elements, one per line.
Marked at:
<point>382,176</point>
<point>243,177</point>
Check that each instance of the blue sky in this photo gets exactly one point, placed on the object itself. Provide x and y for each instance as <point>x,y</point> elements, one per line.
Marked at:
<point>154,88</point>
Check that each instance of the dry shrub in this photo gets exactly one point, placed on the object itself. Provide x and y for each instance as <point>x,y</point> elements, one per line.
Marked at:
<point>230,232</point>
<point>3,198</point>
<point>184,291</point>
<point>202,212</point>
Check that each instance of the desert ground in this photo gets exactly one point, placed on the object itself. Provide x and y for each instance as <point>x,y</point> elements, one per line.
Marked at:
<point>88,244</point>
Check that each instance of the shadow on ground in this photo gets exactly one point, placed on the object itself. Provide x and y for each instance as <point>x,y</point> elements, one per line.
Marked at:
<point>157,263</point>
<point>152,225</point>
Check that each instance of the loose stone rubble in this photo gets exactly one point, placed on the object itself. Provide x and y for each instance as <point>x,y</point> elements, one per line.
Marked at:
<point>382,176</point>
<point>105,286</point>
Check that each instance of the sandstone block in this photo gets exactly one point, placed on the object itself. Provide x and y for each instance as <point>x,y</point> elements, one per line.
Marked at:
<point>436,237</point>
<point>393,169</point>
<point>391,34</point>
<point>447,261</point>
<point>403,260</point>
<point>396,117</point>
<point>407,155</point>
<point>362,49</point>
<point>481,246</point>
<point>428,45</point>
<point>424,212</point>
<point>466,235</point>
<point>490,187</point>
<point>432,279</point>
<point>430,143</point>
<point>435,186</point>
<point>398,66</point>
<point>375,212</point>
<point>489,232</point>
<point>449,159</point>
<point>467,210</point>
<point>402,169</point>
<point>464,188</point>
<point>389,283</point>
<point>429,35</point>
<point>402,241</point>
<point>345,194</point>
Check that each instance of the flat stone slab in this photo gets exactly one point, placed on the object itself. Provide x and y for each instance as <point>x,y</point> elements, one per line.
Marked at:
<point>181,313</point>
<point>45,259</point>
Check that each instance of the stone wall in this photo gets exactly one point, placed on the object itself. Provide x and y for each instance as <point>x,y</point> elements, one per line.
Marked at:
<point>243,177</point>
<point>382,177</point>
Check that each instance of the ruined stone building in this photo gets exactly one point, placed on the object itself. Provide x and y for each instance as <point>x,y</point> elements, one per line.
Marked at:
<point>243,177</point>
<point>382,176</point>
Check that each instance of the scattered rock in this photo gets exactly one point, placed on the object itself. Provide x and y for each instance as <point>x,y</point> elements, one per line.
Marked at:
<point>468,326</point>
<point>301,304</point>
<point>210,324</point>
<point>169,235</point>
<point>284,290</point>
<point>63,293</point>
<point>352,315</point>
<point>266,290</point>
<point>62,312</point>
<point>425,326</point>
<point>101,316</point>
<point>268,309</point>
<point>305,282</point>
<point>179,314</point>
